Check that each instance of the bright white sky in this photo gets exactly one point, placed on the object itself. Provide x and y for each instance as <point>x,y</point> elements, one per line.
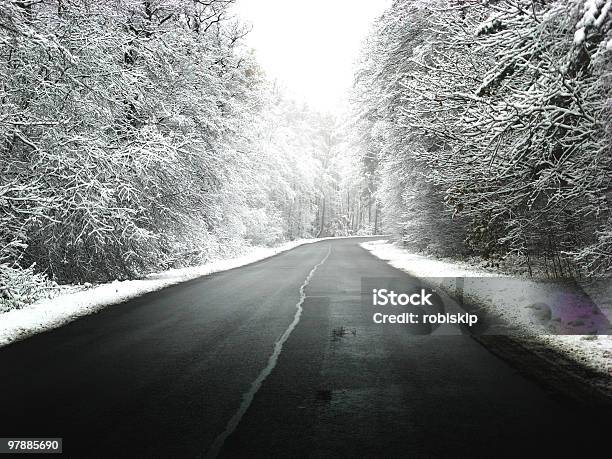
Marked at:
<point>310,46</point>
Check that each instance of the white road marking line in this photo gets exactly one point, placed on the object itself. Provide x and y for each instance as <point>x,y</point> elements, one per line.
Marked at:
<point>248,396</point>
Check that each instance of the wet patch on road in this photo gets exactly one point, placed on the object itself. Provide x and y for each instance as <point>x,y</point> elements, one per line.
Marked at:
<point>342,331</point>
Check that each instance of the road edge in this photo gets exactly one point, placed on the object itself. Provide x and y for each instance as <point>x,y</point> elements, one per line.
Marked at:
<point>558,373</point>
<point>49,314</point>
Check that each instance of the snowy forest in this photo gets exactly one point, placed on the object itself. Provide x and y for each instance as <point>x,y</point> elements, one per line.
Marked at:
<point>487,127</point>
<point>142,135</point>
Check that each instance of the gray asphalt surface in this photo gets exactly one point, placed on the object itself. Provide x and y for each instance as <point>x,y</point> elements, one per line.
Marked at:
<point>162,375</point>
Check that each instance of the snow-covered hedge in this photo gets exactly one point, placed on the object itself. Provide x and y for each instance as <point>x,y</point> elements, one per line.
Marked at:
<point>21,287</point>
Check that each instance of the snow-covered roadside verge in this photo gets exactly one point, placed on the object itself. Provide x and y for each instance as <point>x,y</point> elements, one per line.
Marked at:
<point>51,313</point>
<point>512,299</point>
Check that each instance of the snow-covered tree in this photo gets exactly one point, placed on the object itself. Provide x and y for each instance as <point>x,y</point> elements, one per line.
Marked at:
<point>120,126</point>
<point>500,111</point>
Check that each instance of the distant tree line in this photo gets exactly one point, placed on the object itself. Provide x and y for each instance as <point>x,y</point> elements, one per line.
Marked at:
<point>488,128</point>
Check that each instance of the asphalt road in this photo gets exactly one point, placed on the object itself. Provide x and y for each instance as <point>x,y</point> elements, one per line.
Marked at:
<point>164,375</point>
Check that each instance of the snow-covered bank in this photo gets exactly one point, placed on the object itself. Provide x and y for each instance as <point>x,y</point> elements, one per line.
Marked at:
<point>513,300</point>
<point>52,313</point>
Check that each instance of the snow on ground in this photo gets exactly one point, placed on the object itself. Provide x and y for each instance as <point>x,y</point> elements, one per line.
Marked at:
<point>52,313</point>
<point>518,301</point>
